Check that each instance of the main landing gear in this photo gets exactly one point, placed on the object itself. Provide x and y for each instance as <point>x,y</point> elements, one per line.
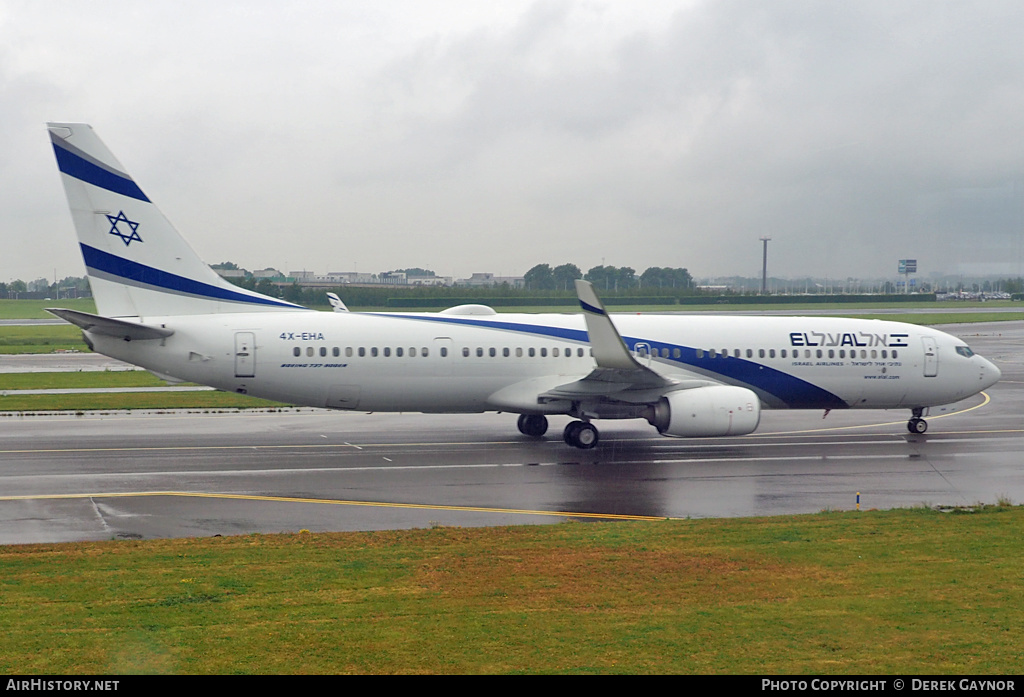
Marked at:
<point>578,434</point>
<point>916,423</point>
<point>533,425</point>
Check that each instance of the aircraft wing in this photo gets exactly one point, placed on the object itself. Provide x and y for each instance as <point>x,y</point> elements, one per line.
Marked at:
<point>618,375</point>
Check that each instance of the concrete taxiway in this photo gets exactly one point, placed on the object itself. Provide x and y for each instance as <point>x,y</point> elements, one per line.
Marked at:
<point>121,475</point>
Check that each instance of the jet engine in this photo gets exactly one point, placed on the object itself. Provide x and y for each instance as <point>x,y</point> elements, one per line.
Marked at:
<point>720,410</point>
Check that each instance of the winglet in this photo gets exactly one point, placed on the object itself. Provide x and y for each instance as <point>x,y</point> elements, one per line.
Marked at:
<point>609,349</point>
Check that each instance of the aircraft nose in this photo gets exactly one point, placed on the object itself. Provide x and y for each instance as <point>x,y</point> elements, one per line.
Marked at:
<point>990,374</point>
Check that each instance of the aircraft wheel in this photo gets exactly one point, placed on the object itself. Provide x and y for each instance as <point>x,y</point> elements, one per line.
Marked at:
<point>533,425</point>
<point>917,425</point>
<point>581,434</point>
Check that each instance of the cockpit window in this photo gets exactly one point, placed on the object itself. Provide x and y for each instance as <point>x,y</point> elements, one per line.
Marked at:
<point>965,351</point>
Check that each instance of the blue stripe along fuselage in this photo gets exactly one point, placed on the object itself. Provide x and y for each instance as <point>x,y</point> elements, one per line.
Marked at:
<point>792,391</point>
<point>80,168</point>
<point>105,263</point>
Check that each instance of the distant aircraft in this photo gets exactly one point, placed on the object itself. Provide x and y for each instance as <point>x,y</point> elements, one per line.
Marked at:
<point>160,307</point>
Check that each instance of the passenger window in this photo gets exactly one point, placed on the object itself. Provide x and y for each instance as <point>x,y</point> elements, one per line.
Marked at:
<point>444,352</point>
<point>398,352</point>
<point>492,352</point>
<point>296,352</point>
<point>373,352</point>
<point>750,353</point>
<point>894,353</point>
<point>519,352</point>
<point>309,351</point>
<point>700,353</point>
<point>533,352</point>
<point>323,351</point>
<point>544,353</point>
<point>362,351</point>
<point>579,353</point>
<point>424,352</point>
<point>783,353</point>
<point>465,352</point>
<point>771,353</point>
<point>479,352</point>
<point>676,353</point>
<point>760,353</point>
<point>387,352</point>
<point>348,352</point>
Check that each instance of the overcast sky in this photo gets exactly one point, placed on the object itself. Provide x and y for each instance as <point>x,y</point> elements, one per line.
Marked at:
<point>492,136</point>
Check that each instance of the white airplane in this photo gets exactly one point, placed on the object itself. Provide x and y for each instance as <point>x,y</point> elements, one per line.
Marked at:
<point>160,307</point>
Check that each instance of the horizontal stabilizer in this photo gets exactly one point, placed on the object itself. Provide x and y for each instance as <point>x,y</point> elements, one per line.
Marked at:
<point>129,331</point>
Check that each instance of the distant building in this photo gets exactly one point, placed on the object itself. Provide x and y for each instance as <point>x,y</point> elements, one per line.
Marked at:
<point>489,279</point>
<point>343,277</point>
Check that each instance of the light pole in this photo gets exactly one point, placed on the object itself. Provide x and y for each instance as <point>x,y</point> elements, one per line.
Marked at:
<point>764,266</point>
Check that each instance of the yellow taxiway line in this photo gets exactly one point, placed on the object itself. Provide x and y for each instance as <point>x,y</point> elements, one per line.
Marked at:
<point>291,499</point>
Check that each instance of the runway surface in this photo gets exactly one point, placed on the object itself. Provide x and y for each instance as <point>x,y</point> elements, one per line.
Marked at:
<point>121,475</point>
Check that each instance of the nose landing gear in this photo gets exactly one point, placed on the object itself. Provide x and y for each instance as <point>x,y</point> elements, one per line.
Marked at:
<point>917,424</point>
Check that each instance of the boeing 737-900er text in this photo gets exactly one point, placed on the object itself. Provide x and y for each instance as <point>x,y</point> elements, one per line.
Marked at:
<point>160,307</point>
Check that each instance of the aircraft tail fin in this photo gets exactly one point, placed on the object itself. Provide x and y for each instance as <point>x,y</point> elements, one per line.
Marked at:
<point>138,264</point>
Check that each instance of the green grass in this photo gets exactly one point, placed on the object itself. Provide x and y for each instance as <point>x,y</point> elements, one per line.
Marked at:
<point>896,592</point>
<point>78,380</point>
<point>41,338</point>
<point>933,318</point>
<point>35,309</point>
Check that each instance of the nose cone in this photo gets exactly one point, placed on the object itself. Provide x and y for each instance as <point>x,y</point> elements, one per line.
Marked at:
<point>990,374</point>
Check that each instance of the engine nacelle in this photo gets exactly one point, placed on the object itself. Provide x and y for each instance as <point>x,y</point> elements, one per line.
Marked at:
<point>721,410</point>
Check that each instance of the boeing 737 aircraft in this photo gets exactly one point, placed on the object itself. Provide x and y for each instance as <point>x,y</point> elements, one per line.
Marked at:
<point>160,307</point>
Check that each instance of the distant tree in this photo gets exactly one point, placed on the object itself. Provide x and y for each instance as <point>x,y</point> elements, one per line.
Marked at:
<point>664,277</point>
<point>540,277</point>
<point>226,266</point>
<point>267,287</point>
<point>293,293</point>
<point>603,277</point>
<point>612,278</point>
<point>564,275</point>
